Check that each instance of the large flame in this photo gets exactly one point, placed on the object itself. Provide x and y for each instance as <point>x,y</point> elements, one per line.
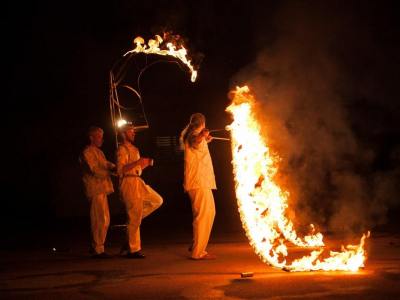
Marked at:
<point>262,203</point>
<point>153,47</point>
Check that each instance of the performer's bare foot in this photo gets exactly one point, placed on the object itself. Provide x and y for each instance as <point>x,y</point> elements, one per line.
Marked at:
<point>208,256</point>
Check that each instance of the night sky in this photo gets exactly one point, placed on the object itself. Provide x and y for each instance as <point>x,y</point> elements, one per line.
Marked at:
<point>326,74</point>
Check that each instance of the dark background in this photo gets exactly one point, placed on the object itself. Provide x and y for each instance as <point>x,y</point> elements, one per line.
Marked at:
<point>58,55</point>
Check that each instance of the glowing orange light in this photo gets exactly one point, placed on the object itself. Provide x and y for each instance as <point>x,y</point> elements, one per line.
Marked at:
<point>263,204</point>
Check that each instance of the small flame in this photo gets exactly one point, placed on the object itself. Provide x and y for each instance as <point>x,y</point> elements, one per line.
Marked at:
<point>262,203</point>
<point>153,47</point>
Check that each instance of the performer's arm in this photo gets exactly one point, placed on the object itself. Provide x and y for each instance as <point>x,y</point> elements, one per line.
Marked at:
<point>195,140</point>
<point>97,168</point>
<point>122,162</point>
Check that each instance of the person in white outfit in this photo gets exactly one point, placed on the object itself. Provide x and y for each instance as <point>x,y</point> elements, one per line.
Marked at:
<point>199,181</point>
<point>139,198</point>
<point>97,183</point>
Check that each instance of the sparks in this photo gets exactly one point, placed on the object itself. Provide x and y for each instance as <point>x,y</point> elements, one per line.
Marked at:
<point>262,203</point>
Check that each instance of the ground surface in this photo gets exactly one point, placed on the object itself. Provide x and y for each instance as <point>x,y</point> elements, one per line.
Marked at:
<point>67,272</point>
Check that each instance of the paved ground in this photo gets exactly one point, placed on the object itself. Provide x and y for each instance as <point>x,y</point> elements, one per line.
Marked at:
<point>167,273</point>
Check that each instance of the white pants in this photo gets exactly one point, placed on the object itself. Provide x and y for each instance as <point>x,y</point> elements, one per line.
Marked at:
<point>140,201</point>
<point>203,208</point>
<point>99,221</point>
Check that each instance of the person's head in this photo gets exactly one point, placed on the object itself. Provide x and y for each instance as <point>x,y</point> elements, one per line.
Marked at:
<point>127,133</point>
<point>96,136</point>
<point>196,124</point>
<point>197,121</point>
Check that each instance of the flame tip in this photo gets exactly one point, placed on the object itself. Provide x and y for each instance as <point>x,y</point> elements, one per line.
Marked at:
<point>153,47</point>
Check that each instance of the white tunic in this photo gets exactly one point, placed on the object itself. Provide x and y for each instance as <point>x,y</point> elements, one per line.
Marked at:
<point>199,172</point>
<point>96,173</point>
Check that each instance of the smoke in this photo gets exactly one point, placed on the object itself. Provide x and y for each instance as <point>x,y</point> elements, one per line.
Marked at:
<point>319,112</point>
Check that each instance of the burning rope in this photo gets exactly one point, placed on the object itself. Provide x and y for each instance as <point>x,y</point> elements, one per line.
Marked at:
<point>262,203</point>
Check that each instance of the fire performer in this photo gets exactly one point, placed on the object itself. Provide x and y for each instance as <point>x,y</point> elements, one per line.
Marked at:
<point>97,182</point>
<point>139,198</point>
<point>199,181</point>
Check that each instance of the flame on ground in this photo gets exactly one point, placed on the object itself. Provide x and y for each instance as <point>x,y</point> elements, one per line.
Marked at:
<point>262,203</point>
<point>153,47</point>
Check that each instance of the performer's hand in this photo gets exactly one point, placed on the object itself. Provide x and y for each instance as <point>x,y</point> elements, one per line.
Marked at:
<point>144,162</point>
<point>205,132</point>
<point>148,161</point>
